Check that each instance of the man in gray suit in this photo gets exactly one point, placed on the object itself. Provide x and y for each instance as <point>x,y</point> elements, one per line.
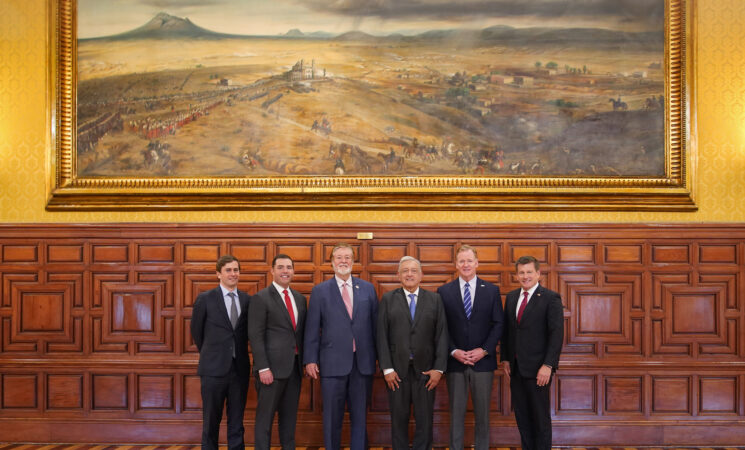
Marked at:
<point>275,328</point>
<point>412,351</point>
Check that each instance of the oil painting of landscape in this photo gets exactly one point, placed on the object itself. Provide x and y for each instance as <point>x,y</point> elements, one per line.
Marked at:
<point>255,88</point>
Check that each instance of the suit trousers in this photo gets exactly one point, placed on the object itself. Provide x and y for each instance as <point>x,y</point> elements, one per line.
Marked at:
<point>352,390</point>
<point>279,398</point>
<point>532,405</point>
<point>230,389</point>
<point>412,390</point>
<point>480,385</point>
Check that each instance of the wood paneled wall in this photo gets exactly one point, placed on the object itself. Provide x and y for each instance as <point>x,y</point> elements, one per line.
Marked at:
<point>95,344</point>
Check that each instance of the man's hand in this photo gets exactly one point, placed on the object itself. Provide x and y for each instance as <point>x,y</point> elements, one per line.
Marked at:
<point>476,355</point>
<point>312,370</point>
<point>392,380</point>
<point>266,377</point>
<point>462,357</point>
<point>434,378</point>
<point>544,375</point>
<point>506,368</point>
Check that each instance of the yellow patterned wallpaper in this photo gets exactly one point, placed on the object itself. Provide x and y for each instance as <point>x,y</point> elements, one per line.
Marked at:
<point>721,136</point>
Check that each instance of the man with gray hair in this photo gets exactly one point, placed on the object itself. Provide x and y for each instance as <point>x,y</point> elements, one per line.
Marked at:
<point>412,350</point>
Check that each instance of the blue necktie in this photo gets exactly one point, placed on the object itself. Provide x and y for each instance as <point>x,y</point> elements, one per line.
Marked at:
<point>467,300</point>
<point>412,305</point>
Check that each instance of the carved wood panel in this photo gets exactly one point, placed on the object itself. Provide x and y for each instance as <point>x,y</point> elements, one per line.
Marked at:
<point>95,340</point>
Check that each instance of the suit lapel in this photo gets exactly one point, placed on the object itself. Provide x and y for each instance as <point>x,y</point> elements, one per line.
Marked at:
<point>456,293</point>
<point>533,302</point>
<point>220,300</point>
<point>336,296</point>
<point>420,304</point>
<point>300,308</point>
<point>511,306</point>
<point>280,303</point>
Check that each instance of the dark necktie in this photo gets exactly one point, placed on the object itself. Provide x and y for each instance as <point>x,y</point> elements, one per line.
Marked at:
<point>467,299</point>
<point>233,310</point>
<point>522,307</point>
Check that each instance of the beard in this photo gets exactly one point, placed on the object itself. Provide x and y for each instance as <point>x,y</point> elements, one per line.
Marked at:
<point>343,271</point>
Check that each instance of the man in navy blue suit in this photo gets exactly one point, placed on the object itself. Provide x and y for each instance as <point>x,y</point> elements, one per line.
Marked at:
<point>219,327</point>
<point>473,308</point>
<point>340,348</point>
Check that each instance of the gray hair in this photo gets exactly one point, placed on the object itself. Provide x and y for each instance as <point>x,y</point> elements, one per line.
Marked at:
<point>409,258</point>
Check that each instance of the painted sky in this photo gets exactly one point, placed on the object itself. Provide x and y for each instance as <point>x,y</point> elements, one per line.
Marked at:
<point>272,17</point>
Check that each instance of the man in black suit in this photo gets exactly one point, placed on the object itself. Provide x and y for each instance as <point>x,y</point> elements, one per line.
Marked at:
<point>473,308</point>
<point>275,328</point>
<point>530,352</point>
<point>412,351</point>
<point>219,328</point>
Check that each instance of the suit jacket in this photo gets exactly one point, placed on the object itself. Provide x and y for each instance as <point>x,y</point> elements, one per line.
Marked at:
<point>329,330</point>
<point>537,340</point>
<point>426,337</point>
<point>215,337</point>
<point>273,339</point>
<point>483,329</point>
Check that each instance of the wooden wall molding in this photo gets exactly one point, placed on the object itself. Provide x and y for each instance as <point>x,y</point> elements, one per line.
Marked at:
<point>94,320</point>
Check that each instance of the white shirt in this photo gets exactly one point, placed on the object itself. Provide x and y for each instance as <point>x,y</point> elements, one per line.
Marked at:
<point>228,301</point>
<point>340,283</point>
<point>408,299</point>
<point>522,297</point>
<point>471,287</point>
<point>280,289</point>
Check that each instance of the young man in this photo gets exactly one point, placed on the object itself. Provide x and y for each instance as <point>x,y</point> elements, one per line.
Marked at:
<point>473,308</point>
<point>530,352</point>
<point>412,349</point>
<point>340,348</point>
<point>219,329</point>
<point>275,328</point>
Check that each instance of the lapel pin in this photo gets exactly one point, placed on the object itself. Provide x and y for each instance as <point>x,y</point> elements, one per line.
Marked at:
<point>357,286</point>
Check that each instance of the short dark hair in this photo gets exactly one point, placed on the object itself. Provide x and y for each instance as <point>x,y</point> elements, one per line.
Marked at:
<point>527,259</point>
<point>226,259</point>
<point>282,256</point>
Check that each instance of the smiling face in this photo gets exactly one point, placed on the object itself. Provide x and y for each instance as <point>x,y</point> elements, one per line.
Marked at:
<point>410,275</point>
<point>229,275</point>
<point>342,261</point>
<point>527,275</point>
<point>466,263</point>
<point>283,271</point>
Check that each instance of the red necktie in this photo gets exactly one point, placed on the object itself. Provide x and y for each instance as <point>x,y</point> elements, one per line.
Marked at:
<point>522,307</point>
<point>288,303</point>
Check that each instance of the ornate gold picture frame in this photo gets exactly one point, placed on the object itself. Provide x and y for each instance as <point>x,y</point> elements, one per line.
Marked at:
<point>357,167</point>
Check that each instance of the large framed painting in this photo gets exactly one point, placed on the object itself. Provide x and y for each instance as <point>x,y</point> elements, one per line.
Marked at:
<point>309,104</point>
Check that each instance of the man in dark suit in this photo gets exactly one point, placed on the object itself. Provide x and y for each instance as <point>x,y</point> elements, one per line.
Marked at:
<point>530,352</point>
<point>412,349</point>
<point>340,348</point>
<point>473,308</point>
<point>276,321</point>
<point>220,331</point>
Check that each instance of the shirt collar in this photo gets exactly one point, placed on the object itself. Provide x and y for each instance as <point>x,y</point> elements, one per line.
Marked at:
<point>280,289</point>
<point>530,291</point>
<point>406,293</point>
<point>225,291</point>
<point>471,284</point>
<point>340,282</point>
